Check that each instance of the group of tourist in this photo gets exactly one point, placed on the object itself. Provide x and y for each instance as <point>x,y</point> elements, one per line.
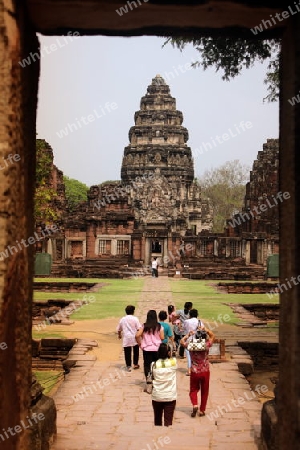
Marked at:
<point>160,341</point>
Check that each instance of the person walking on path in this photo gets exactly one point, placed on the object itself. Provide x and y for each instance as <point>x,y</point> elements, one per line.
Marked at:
<point>128,326</point>
<point>200,373</point>
<point>191,324</point>
<point>168,333</point>
<point>154,267</point>
<point>181,315</point>
<point>171,313</point>
<point>149,337</point>
<point>164,392</point>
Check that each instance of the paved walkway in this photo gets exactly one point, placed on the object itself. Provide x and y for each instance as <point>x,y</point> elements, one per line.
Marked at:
<point>115,413</point>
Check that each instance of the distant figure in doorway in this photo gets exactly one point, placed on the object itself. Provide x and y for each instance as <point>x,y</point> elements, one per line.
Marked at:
<point>154,267</point>
<point>128,327</point>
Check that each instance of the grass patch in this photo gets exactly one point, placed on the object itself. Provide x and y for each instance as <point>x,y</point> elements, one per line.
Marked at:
<point>48,379</point>
<point>70,280</point>
<point>41,335</point>
<point>210,302</point>
<point>110,300</point>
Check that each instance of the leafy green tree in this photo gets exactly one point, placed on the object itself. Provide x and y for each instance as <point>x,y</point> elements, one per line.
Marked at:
<point>44,210</point>
<point>76,192</point>
<point>231,55</point>
<point>225,188</point>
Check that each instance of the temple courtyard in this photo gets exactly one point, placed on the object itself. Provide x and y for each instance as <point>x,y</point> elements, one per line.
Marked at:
<point>100,406</point>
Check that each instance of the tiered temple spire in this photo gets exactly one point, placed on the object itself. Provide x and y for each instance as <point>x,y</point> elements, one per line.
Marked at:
<point>158,139</point>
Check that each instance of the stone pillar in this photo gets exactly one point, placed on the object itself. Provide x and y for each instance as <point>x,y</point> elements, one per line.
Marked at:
<point>146,258</point>
<point>18,88</point>
<point>113,246</point>
<point>165,252</point>
<point>227,248</point>
<point>288,395</point>
<point>216,247</point>
<point>259,258</point>
<point>247,252</point>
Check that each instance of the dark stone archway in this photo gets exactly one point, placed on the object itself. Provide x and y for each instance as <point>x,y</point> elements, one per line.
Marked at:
<point>18,86</point>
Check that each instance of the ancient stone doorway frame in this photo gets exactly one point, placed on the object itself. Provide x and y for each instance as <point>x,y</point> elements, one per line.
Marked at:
<point>18,89</point>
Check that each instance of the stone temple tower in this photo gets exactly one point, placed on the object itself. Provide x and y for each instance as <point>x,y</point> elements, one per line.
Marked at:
<point>158,139</point>
<point>159,164</point>
<point>157,207</point>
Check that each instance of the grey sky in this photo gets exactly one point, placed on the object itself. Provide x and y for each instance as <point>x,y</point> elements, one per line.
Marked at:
<point>104,78</point>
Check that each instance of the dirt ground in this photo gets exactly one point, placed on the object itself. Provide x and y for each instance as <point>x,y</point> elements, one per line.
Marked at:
<point>102,331</point>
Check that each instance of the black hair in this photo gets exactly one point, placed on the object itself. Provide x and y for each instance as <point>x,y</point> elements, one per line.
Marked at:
<point>163,351</point>
<point>193,313</point>
<point>162,315</point>
<point>171,308</point>
<point>151,325</point>
<point>130,309</point>
<point>187,307</point>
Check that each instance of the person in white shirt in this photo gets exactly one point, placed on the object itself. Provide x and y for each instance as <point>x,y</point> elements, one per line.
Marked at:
<point>164,392</point>
<point>128,326</point>
<point>191,324</point>
<point>154,267</point>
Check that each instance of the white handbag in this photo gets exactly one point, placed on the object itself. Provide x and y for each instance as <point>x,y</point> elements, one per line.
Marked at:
<point>196,345</point>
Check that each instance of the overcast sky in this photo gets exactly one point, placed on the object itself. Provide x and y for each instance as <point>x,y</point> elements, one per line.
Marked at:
<point>96,83</point>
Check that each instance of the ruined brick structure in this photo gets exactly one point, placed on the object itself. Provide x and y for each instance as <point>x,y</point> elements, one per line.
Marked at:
<point>157,202</point>
<point>157,210</point>
<point>254,231</point>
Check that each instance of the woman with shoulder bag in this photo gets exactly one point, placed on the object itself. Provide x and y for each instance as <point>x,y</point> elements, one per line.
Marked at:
<point>200,373</point>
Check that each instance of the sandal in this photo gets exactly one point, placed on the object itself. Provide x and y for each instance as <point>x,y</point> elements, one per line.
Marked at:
<point>201,413</point>
<point>136,367</point>
<point>194,412</point>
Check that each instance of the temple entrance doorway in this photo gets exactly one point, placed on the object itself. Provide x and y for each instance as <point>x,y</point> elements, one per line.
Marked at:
<point>156,248</point>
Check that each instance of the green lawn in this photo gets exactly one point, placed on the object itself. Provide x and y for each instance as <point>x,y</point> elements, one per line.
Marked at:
<point>210,302</point>
<point>108,301</point>
<point>112,298</point>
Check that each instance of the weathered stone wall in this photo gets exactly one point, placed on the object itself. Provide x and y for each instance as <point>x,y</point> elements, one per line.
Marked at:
<point>260,213</point>
<point>17,115</point>
<point>18,87</point>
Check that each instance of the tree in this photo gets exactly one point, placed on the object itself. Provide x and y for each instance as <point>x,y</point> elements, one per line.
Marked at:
<point>44,210</point>
<point>225,188</point>
<point>76,192</point>
<point>233,54</point>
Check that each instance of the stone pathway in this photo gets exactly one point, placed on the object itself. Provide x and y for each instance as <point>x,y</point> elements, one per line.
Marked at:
<point>113,412</point>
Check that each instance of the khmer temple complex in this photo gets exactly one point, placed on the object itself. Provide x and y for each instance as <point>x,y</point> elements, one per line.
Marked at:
<point>157,209</point>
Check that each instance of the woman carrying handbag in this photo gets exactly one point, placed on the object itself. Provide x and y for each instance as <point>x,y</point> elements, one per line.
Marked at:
<point>200,373</point>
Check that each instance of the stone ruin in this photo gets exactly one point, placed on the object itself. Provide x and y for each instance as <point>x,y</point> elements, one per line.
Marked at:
<point>157,210</point>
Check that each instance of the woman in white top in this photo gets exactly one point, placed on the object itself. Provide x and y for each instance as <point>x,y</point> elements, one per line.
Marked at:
<point>164,392</point>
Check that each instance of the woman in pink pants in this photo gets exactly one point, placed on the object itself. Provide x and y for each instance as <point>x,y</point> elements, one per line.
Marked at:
<point>200,373</point>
